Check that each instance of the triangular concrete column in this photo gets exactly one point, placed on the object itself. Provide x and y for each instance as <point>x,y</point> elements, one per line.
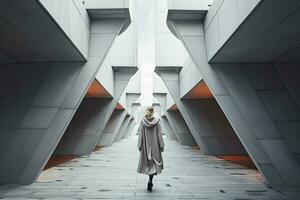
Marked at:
<point>247,109</point>
<point>129,128</point>
<point>176,121</point>
<point>165,124</point>
<point>123,128</point>
<point>122,76</point>
<point>204,135</point>
<point>112,127</point>
<point>92,115</point>
<point>130,99</point>
<point>183,132</point>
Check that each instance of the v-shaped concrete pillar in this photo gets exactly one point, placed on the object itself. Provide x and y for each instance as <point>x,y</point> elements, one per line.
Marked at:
<point>50,93</point>
<point>92,117</point>
<point>122,76</point>
<point>245,107</point>
<point>201,130</point>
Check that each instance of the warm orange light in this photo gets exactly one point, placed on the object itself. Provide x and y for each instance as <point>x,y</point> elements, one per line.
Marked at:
<point>57,160</point>
<point>240,160</point>
<point>200,91</point>
<point>119,107</point>
<point>96,90</point>
<point>173,107</point>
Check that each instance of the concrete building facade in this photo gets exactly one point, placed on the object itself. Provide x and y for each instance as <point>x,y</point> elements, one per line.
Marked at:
<point>49,61</point>
<point>247,56</point>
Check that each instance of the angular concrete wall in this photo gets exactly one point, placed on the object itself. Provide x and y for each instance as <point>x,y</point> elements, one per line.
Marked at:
<point>123,128</point>
<point>165,125</point>
<point>51,93</point>
<point>112,128</point>
<point>130,128</point>
<point>88,126</point>
<point>258,100</point>
<point>206,139</point>
<point>79,136</point>
<point>162,99</point>
<point>183,133</point>
<point>216,131</point>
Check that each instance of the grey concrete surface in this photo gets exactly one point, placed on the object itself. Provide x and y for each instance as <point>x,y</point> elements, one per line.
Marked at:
<point>123,128</point>
<point>216,132</point>
<point>110,173</point>
<point>50,93</point>
<point>165,124</point>
<point>81,132</point>
<point>256,99</point>
<point>181,129</point>
<point>197,119</point>
<point>112,128</point>
<point>92,117</point>
<point>162,98</point>
<point>40,34</point>
<point>130,128</point>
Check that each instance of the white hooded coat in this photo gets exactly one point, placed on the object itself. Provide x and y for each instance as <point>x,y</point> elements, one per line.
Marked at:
<point>150,142</point>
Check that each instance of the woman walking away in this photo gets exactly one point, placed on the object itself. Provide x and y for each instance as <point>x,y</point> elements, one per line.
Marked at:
<point>150,144</point>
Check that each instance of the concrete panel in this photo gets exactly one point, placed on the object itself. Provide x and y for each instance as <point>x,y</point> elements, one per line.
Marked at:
<point>290,75</point>
<point>77,139</point>
<point>130,128</point>
<point>182,131</point>
<point>92,118</point>
<point>217,133</point>
<point>112,128</point>
<point>122,130</point>
<point>165,125</point>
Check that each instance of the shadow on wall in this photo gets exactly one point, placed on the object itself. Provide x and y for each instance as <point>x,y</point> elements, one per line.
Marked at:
<point>201,99</point>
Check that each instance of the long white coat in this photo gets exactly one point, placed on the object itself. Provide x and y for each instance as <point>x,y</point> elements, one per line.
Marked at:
<point>150,143</point>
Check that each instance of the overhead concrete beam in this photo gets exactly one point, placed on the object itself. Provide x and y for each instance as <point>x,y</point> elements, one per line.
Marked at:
<point>250,112</point>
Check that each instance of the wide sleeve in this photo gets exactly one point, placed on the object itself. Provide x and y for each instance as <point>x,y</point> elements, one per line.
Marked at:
<point>159,134</point>
<point>140,139</point>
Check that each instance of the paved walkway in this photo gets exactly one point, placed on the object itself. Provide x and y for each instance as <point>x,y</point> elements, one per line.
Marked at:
<point>110,173</point>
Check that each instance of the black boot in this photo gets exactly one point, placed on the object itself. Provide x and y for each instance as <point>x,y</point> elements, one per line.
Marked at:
<point>150,184</point>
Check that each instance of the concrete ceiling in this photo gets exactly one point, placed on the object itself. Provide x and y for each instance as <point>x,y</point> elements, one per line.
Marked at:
<point>270,34</point>
<point>29,34</point>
